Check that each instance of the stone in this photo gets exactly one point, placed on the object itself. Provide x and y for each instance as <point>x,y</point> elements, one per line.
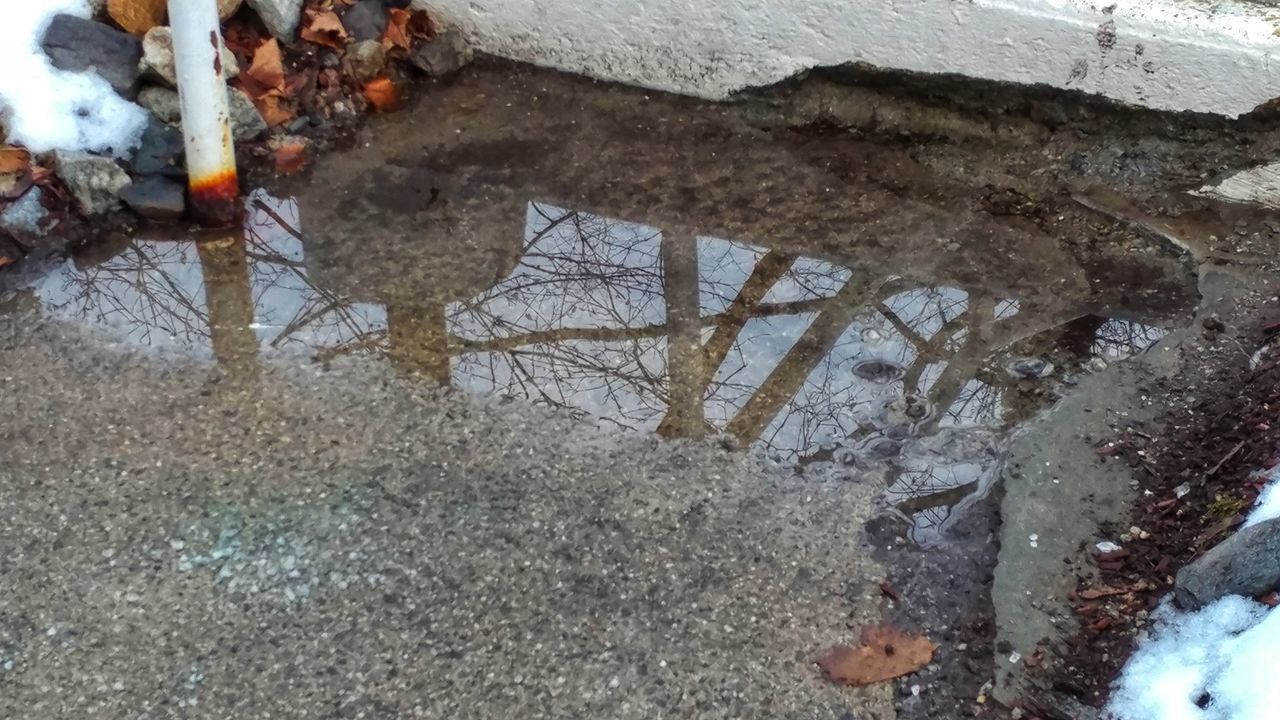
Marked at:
<point>157,57</point>
<point>365,60</point>
<point>1247,563</point>
<point>25,215</point>
<point>366,20</point>
<point>163,103</point>
<point>158,198</point>
<point>227,8</point>
<point>246,121</point>
<point>448,53</point>
<point>280,16</point>
<point>161,151</point>
<point>95,182</point>
<point>77,45</point>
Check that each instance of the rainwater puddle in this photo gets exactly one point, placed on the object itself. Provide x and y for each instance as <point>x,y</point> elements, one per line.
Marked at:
<point>687,282</point>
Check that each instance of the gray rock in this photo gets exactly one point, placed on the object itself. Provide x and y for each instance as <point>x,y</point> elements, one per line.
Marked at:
<point>280,16</point>
<point>95,182</point>
<point>160,152</point>
<point>1247,563</point>
<point>25,215</point>
<point>448,53</point>
<point>163,103</point>
<point>365,60</point>
<point>246,121</point>
<point>157,197</point>
<point>366,20</point>
<point>76,45</point>
<point>157,57</point>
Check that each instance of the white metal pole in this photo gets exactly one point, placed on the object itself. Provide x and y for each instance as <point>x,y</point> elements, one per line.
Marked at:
<point>206,121</point>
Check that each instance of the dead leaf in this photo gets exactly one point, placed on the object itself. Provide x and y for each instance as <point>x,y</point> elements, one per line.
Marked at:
<point>267,71</point>
<point>137,16</point>
<point>13,160</point>
<point>325,28</point>
<point>421,25</point>
<point>397,32</point>
<point>382,94</point>
<point>291,157</point>
<point>1107,591</point>
<point>274,109</point>
<point>885,653</point>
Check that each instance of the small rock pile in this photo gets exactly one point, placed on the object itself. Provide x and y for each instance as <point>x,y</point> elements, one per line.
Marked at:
<point>330,77</point>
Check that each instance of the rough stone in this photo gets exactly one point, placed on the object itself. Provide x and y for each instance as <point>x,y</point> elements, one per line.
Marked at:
<point>158,198</point>
<point>366,20</point>
<point>76,45</point>
<point>163,103</point>
<point>160,152</point>
<point>448,53</point>
<point>25,215</point>
<point>157,57</point>
<point>280,16</point>
<point>95,182</point>
<point>1247,563</point>
<point>246,121</point>
<point>365,60</point>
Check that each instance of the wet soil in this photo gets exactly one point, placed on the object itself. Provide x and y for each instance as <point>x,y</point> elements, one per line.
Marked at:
<point>1198,467</point>
<point>875,305</point>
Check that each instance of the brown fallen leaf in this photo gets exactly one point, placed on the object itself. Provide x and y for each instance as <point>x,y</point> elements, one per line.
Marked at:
<point>274,109</point>
<point>13,160</point>
<point>291,157</point>
<point>889,591</point>
<point>6,260</point>
<point>267,71</point>
<point>885,653</point>
<point>383,94</point>
<point>325,28</point>
<point>397,33</point>
<point>137,16</point>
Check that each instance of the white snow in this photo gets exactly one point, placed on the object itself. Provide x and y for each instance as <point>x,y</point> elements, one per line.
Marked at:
<point>1222,657</point>
<point>50,109</point>
<point>1268,505</point>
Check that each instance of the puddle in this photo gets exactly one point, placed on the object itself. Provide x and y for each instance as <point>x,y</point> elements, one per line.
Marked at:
<point>805,359</point>
<point>664,270</point>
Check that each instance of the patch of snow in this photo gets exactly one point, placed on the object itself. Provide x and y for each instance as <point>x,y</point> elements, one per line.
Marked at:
<point>1215,664</point>
<point>50,109</point>
<point>1268,505</point>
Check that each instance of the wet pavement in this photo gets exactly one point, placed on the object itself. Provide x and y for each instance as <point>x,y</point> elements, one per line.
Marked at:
<point>564,402</point>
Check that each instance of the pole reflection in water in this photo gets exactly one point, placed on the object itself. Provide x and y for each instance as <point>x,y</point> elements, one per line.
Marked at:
<point>913,383</point>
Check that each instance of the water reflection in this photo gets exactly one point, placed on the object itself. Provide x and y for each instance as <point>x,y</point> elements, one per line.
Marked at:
<point>646,329</point>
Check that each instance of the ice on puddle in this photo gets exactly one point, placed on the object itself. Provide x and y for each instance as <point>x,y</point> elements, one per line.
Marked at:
<point>1215,664</point>
<point>50,109</point>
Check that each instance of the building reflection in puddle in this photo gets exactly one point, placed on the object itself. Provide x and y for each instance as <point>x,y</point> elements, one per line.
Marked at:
<point>645,330</point>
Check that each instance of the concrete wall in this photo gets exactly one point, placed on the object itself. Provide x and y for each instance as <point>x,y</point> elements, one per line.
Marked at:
<point>1165,54</point>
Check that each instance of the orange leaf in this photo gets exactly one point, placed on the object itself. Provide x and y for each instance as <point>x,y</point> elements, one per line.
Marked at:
<point>267,71</point>
<point>421,25</point>
<point>382,94</point>
<point>885,653</point>
<point>137,16</point>
<point>397,32</point>
<point>325,28</point>
<point>274,110</point>
<point>13,160</point>
<point>291,157</point>
<point>6,260</point>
